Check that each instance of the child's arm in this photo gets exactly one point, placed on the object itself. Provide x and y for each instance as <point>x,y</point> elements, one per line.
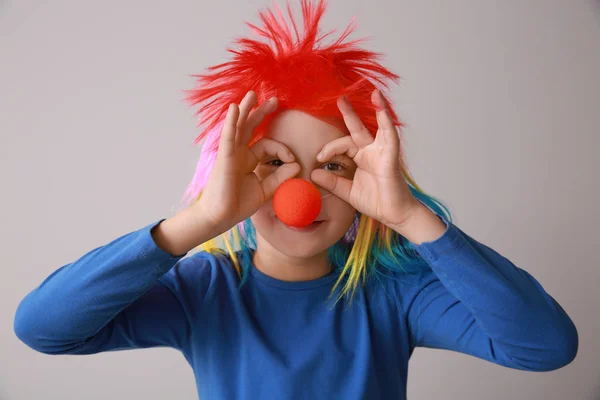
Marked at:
<point>114,297</point>
<point>127,294</point>
<point>478,302</point>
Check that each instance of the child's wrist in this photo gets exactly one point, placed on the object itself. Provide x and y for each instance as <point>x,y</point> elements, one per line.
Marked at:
<point>422,226</point>
<point>184,231</point>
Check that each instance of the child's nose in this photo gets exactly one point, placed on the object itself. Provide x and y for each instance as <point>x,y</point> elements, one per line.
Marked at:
<point>305,174</point>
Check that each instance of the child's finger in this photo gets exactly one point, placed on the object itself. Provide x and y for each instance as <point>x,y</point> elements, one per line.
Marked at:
<point>227,139</point>
<point>384,120</point>
<point>280,175</point>
<point>245,107</point>
<point>362,136</point>
<point>333,183</point>
<point>343,145</point>
<point>266,148</point>
<point>255,118</point>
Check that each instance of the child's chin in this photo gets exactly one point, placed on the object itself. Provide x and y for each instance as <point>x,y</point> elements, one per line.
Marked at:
<point>302,251</point>
<point>302,244</point>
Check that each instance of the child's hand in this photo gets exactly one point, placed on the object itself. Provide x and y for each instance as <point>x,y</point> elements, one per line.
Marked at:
<point>378,189</point>
<point>233,191</point>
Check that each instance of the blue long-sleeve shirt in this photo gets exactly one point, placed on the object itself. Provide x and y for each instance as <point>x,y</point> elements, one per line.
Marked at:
<point>282,340</point>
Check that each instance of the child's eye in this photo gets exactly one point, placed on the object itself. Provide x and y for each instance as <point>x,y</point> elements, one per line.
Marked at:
<point>276,162</point>
<point>333,166</point>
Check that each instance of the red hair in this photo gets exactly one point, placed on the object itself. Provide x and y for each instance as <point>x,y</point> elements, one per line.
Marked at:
<point>296,67</point>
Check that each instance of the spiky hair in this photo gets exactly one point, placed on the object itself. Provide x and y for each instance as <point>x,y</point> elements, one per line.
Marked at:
<point>295,66</point>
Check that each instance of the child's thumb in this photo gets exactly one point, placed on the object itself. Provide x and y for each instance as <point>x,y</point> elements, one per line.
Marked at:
<point>333,183</point>
<point>280,175</point>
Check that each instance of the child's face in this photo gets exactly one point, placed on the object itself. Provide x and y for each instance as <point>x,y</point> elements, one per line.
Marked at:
<point>305,136</point>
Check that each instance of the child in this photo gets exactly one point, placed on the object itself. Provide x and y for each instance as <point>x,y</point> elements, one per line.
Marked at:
<point>329,309</point>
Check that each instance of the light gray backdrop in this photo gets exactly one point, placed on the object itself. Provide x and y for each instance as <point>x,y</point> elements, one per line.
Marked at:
<point>502,105</point>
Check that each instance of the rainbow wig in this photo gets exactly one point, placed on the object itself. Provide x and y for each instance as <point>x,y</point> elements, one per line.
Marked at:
<point>307,75</point>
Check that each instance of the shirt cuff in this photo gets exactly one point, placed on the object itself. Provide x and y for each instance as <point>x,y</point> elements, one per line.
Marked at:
<point>450,241</point>
<point>149,249</point>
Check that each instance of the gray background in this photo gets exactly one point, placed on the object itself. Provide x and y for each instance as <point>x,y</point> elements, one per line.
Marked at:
<point>502,105</point>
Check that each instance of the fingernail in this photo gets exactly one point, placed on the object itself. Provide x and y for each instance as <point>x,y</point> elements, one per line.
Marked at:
<point>319,156</point>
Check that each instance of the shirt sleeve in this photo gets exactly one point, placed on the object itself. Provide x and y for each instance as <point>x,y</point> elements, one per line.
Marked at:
<point>123,295</point>
<point>478,302</point>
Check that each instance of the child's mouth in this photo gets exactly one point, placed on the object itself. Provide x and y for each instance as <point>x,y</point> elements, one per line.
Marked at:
<point>308,228</point>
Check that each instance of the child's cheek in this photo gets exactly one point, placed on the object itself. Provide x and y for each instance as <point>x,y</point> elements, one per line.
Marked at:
<point>264,217</point>
<point>266,209</point>
<point>338,210</point>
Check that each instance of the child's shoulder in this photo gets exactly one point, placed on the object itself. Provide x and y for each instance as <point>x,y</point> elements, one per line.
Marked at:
<point>200,272</point>
<point>404,285</point>
<point>409,273</point>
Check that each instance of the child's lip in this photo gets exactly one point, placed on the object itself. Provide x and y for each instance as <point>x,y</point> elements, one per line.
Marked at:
<point>308,228</point>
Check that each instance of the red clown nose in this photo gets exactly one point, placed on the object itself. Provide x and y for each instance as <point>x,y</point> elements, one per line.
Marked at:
<point>297,202</point>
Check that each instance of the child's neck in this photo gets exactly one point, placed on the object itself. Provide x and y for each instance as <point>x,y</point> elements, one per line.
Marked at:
<point>277,265</point>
